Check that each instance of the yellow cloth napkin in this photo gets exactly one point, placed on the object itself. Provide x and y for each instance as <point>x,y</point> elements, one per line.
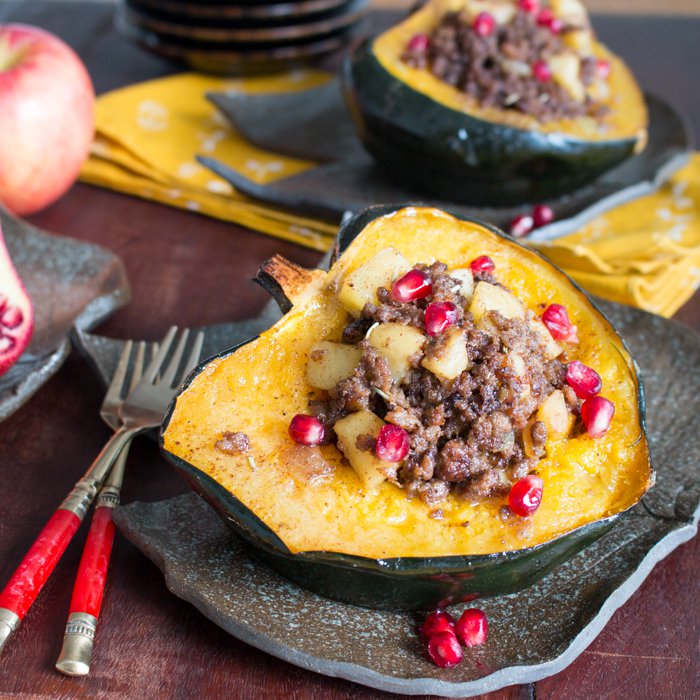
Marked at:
<point>645,253</point>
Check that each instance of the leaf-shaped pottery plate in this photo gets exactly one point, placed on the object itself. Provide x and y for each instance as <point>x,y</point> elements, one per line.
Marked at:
<point>71,284</point>
<point>533,634</point>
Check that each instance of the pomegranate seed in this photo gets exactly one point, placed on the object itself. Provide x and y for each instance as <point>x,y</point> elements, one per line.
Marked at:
<point>11,317</point>
<point>521,225</point>
<point>525,495</point>
<point>472,627</point>
<point>438,621</point>
<point>542,215</point>
<point>415,284</point>
<point>444,649</point>
<point>596,414</point>
<point>419,43</point>
<point>307,430</point>
<point>3,301</point>
<point>392,443</point>
<point>483,265</point>
<point>484,24</point>
<point>541,71</point>
<point>602,68</point>
<point>556,25</point>
<point>530,6</point>
<point>438,316</point>
<point>585,381</point>
<point>556,318</point>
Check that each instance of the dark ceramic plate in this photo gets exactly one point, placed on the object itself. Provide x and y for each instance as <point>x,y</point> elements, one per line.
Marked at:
<point>534,633</point>
<point>217,33</point>
<point>72,284</point>
<point>232,61</point>
<point>315,124</point>
<point>259,13</point>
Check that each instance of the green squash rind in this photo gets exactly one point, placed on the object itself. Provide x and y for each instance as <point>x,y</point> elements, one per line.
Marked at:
<point>403,583</point>
<point>457,156</point>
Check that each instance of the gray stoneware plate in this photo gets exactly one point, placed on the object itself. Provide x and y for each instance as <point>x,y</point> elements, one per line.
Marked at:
<point>315,124</point>
<point>71,284</point>
<point>533,634</point>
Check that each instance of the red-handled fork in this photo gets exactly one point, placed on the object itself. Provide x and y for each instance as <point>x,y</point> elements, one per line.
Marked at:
<point>141,410</point>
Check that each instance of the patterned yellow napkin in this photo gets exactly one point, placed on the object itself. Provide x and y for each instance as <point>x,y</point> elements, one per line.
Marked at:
<point>645,253</point>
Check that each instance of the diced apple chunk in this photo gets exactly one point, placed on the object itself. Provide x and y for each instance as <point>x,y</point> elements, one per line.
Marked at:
<point>330,363</point>
<point>453,358</point>
<point>566,70</point>
<point>466,280</point>
<point>489,297</point>
<point>397,344</point>
<point>360,286</point>
<point>371,470</point>
<point>550,347</point>
<point>554,414</point>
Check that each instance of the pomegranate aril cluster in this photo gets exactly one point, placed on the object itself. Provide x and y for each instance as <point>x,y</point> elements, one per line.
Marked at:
<point>445,636</point>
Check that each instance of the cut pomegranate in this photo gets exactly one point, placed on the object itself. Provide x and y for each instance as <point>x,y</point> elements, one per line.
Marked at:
<point>556,318</point>
<point>16,312</point>
<point>438,316</point>
<point>472,627</point>
<point>521,225</point>
<point>541,71</point>
<point>602,68</point>
<point>597,414</point>
<point>419,43</point>
<point>525,495</point>
<point>530,6</point>
<point>415,284</point>
<point>542,215</point>
<point>585,381</point>
<point>484,24</point>
<point>392,443</point>
<point>482,265</point>
<point>307,430</point>
<point>444,649</point>
<point>438,621</point>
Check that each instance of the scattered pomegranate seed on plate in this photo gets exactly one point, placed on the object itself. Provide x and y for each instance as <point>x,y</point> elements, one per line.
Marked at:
<point>597,414</point>
<point>542,215</point>
<point>472,627</point>
<point>482,265</point>
<point>307,430</point>
<point>439,316</point>
<point>586,382</point>
<point>392,443</point>
<point>521,225</point>
<point>444,649</point>
<point>526,495</point>
<point>415,284</point>
<point>438,621</point>
<point>556,318</point>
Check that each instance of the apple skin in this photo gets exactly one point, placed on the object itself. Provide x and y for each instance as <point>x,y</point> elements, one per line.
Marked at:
<point>46,117</point>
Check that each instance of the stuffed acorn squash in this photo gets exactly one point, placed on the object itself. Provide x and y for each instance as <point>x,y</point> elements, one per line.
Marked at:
<point>494,101</point>
<point>444,414</point>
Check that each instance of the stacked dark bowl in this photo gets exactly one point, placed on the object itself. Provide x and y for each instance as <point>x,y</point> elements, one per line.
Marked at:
<point>242,36</point>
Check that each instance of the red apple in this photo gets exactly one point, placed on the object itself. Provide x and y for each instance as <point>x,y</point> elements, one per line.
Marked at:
<point>46,117</point>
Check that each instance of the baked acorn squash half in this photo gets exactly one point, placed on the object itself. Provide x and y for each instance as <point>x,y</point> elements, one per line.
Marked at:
<point>356,528</point>
<point>518,107</point>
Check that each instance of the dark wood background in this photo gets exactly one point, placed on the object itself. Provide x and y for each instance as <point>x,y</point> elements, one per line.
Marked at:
<point>191,270</point>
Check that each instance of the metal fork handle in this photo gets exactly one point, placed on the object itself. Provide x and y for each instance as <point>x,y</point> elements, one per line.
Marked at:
<point>34,570</point>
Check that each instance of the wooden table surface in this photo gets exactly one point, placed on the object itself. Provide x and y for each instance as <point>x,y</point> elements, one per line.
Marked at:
<point>191,270</point>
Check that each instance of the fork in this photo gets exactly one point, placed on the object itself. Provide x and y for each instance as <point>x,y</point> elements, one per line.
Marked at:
<point>143,408</point>
<point>86,601</point>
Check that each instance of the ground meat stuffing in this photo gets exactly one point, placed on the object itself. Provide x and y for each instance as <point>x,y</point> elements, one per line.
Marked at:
<point>233,443</point>
<point>497,69</point>
<point>466,433</point>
